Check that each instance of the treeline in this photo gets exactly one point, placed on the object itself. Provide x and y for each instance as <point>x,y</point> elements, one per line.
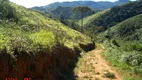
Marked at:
<point>117,14</point>
<point>67,13</point>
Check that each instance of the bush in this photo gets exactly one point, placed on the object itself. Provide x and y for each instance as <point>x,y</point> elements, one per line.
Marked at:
<point>133,59</point>
<point>6,11</point>
<point>115,43</point>
<point>137,70</point>
<point>130,46</point>
<point>109,75</point>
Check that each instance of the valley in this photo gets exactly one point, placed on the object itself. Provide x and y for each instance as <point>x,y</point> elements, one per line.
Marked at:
<point>75,40</point>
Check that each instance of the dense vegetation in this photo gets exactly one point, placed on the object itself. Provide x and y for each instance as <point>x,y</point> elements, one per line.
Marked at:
<point>119,29</point>
<point>89,19</point>
<point>115,15</point>
<point>128,30</point>
<point>63,10</point>
<point>91,4</point>
<point>124,44</point>
<point>67,13</point>
<point>29,30</point>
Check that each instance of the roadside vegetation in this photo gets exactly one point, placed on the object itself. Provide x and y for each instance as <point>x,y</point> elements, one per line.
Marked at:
<point>119,30</point>
<point>29,30</point>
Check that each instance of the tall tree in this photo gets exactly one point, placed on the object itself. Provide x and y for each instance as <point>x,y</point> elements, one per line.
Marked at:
<point>81,10</point>
<point>61,17</point>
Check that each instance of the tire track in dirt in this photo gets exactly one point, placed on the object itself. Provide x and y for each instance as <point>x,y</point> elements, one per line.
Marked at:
<point>92,66</point>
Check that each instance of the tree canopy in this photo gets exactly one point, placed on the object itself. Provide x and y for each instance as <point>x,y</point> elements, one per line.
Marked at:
<point>81,10</point>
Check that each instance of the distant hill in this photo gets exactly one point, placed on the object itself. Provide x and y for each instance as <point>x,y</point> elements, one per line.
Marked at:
<point>67,13</point>
<point>65,8</point>
<point>128,30</point>
<point>106,19</point>
<point>94,5</point>
<point>89,19</point>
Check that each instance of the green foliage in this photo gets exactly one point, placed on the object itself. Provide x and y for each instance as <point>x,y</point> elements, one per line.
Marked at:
<point>129,61</point>
<point>118,14</point>
<point>89,19</point>
<point>123,38</point>
<point>3,41</point>
<point>44,38</point>
<point>98,5</point>
<point>134,59</point>
<point>115,15</point>
<point>130,46</point>
<point>4,0</point>
<point>6,11</point>
<point>128,30</point>
<point>81,10</point>
<point>115,43</point>
<point>67,13</point>
<point>25,29</point>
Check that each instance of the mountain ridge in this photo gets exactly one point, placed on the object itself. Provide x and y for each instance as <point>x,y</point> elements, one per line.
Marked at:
<point>108,18</point>
<point>92,4</point>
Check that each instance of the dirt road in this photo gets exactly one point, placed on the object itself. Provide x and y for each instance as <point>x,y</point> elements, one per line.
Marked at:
<point>92,66</point>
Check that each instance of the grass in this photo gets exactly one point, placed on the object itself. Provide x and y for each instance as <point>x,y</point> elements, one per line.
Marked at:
<point>127,57</point>
<point>29,30</point>
<point>45,38</point>
<point>115,56</point>
<point>89,19</point>
<point>128,30</point>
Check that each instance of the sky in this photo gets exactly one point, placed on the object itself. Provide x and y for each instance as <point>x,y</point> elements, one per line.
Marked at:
<point>32,3</point>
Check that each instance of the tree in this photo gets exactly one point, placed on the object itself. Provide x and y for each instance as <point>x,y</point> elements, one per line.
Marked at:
<point>82,10</point>
<point>61,17</point>
<point>6,11</point>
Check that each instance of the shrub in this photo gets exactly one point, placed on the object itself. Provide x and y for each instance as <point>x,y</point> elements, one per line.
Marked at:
<point>109,75</point>
<point>115,43</point>
<point>133,59</point>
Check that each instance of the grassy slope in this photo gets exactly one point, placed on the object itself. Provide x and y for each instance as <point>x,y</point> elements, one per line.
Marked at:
<point>115,15</point>
<point>130,29</point>
<point>128,35</point>
<point>89,19</point>
<point>123,39</point>
<point>31,30</point>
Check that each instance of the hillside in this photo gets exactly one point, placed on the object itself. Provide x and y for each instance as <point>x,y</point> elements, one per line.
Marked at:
<point>89,19</point>
<point>94,5</point>
<point>128,30</point>
<point>114,16</point>
<point>35,46</point>
<point>124,46</point>
<point>119,30</point>
<point>31,22</point>
<point>65,8</point>
<point>67,13</point>
<point>123,41</point>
